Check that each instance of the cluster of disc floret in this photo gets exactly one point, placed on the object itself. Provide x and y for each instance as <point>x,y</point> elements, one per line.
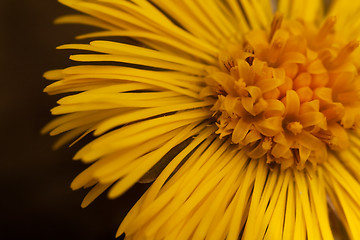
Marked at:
<point>287,94</point>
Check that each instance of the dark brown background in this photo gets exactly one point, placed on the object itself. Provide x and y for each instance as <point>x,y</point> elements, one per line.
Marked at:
<point>36,201</point>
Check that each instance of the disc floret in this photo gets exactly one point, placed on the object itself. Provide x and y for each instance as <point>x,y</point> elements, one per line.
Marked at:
<point>288,94</point>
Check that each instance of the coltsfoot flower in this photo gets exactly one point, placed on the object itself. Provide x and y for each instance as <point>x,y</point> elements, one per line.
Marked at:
<point>246,115</point>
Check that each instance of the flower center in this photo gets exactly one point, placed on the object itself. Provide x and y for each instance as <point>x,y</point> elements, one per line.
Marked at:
<point>288,94</point>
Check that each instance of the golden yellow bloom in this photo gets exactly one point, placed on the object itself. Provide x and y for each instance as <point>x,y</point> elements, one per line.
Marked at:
<point>248,119</point>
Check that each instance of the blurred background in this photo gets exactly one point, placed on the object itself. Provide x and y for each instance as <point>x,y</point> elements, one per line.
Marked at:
<point>36,201</point>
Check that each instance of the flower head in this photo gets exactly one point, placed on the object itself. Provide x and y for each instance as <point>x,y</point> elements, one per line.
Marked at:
<point>246,120</point>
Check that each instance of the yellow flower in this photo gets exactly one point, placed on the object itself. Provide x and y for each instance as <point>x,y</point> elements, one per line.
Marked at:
<point>248,118</point>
